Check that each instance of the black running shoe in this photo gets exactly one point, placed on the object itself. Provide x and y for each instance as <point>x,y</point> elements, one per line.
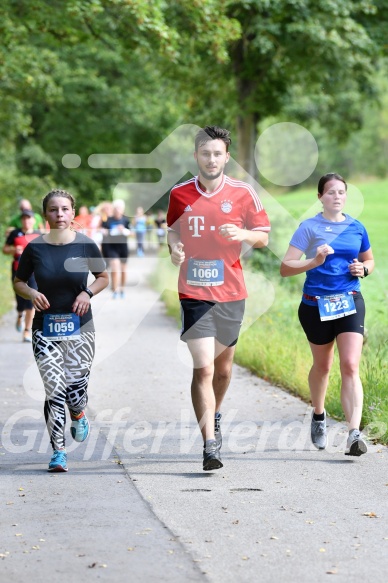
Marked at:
<point>211,457</point>
<point>217,429</point>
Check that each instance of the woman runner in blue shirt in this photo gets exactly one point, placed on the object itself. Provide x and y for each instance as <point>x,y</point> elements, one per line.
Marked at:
<point>332,309</point>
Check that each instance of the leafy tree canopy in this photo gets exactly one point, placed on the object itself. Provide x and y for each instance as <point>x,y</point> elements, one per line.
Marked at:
<point>87,76</point>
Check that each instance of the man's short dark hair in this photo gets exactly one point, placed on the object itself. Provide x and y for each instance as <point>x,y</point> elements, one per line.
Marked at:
<point>212,133</point>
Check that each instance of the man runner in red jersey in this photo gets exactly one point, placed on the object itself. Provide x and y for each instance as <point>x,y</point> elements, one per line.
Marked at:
<point>209,217</point>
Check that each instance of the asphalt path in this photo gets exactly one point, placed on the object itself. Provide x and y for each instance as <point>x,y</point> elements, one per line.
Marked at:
<point>136,503</point>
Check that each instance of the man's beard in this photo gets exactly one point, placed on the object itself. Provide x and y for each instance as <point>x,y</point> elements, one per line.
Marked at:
<point>211,176</point>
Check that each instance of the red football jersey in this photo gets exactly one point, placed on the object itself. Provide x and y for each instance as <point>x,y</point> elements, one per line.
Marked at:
<point>212,270</point>
<point>21,239</point>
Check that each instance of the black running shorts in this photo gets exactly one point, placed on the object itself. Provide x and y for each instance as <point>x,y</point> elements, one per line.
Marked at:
<point>115,251</point>
<point>319,332</point>
<point>220,320</point>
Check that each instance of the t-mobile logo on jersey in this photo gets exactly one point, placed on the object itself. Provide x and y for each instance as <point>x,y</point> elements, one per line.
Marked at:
<point>194,225</point>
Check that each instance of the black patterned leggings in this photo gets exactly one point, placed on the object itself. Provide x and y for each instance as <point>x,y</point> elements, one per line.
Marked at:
<point>64,366</point>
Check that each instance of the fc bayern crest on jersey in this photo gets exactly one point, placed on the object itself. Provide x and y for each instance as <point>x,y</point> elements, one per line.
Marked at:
<point>226,206</point>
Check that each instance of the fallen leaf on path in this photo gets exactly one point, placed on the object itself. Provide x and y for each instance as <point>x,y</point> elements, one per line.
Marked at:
<point>370,514</point>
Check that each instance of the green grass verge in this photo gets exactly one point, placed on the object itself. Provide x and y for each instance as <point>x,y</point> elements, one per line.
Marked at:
<point>7,298</point>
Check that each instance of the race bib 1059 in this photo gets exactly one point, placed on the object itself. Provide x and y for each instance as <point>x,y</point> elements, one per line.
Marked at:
<point>61,326</point>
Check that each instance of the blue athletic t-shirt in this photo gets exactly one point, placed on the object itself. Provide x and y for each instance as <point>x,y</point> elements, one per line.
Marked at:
<point>348,238</point>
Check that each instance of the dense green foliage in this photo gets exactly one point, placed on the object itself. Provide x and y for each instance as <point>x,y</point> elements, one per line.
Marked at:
<point>117,76</point>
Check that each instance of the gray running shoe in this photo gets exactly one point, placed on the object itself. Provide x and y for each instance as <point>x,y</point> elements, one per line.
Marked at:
<point>217,429</point>
<point>318,432</point>
<point>211,457</point>
<point>355,445</point>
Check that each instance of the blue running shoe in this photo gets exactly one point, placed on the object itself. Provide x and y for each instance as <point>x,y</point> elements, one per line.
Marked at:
<point>58,462</point>
<point>19,323</point>
<point>80,428</point>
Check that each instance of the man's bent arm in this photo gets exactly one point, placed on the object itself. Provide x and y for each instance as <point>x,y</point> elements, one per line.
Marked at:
<point>256,239</point>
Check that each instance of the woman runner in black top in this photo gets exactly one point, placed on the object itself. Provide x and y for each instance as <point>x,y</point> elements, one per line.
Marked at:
<point>62,329</point>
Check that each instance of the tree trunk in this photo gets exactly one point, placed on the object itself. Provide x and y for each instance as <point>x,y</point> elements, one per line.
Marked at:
<point>246,142</point>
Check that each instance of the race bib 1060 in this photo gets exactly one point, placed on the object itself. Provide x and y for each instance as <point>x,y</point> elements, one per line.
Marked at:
<point>205,272</point>
<point>61,326</point>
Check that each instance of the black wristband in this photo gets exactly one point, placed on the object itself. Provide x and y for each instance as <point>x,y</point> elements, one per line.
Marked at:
<point>366,271</point>
<point>88,291</point>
